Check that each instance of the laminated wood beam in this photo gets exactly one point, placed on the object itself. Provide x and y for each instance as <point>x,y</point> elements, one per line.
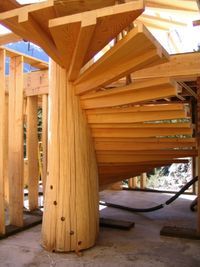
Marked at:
<point>137,92</point>
<point>180,67</point>
<point>44,140</point>
<point>84,28</point>
<point>140,132</point>
<point>15,146</point>
<point>32,151</point>
<point>137,50</point>
<point>2,140</point>
<point>132,117</point>
<point>135,145</point>
<point>70,220</point>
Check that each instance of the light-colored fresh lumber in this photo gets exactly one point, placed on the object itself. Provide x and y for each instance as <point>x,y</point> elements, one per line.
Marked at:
<point>138,108</point>
<point>135,51</point>
<point>32,151</point>
<point>132,117</point>
<point>36,83</point>
<point>44,140</point>
<point>2,141</point>
<point>140,132</point>
<point>131,144</point>
<point>135,93</point>
<point>16,141</point>
<point>143,180</point>
<point>180,67</point>
<point>132,182</point>
<point>9,38</point>
<point>67,31</point>
<point>117,157</point>
<point>186,5</point>
<point>70,220</point>
<point>141,125</point>
<point>160,23</point>
<point>34,62</point>
<point>118,172</point>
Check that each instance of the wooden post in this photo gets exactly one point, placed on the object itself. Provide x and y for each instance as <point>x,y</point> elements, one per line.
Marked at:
<point>32,151</point>
<point>143,179</point>
<point>198,144</point>
<point>6,180</point>
<point>2,140</point>
<point>44,139</point>
<point>15,141</point>
<point>70,220</point>
<point>132,182</point>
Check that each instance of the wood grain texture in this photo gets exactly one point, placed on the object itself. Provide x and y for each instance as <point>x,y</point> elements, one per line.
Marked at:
<point>71,198</point>
<point>16,142</point>
<point>2,140</point>
<point>32,151</point>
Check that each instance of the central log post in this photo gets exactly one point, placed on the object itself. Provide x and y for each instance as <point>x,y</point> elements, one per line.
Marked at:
<point>71,219</point>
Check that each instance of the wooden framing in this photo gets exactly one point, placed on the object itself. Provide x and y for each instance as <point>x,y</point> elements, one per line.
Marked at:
<point>2,142</point>
<point>15,147</point>
<point>32,151</point>
<point>101,129</point>
<point>127,56</point>
<point>134,93</point>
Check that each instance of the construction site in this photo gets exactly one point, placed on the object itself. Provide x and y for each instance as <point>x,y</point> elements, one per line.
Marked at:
<point>100,101</point>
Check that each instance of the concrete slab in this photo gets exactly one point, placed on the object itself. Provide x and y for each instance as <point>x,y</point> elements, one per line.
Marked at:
<point>142,246</point>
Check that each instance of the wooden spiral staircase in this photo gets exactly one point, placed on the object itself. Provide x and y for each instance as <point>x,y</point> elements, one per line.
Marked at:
<point>102,125</point>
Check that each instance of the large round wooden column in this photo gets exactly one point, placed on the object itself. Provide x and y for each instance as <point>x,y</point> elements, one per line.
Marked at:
<point>70,221</point>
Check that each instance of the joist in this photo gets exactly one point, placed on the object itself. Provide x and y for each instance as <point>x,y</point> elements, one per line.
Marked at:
<point>132,117</point>
<point>140,132</point>
<point>2,140</point>
<point>102,144</point>
<point>32,152</point>
<point>134,93</point>
<point>183,67</point>
<point>15,142</point>
<point>85,28</point>
<point>135,51</point>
